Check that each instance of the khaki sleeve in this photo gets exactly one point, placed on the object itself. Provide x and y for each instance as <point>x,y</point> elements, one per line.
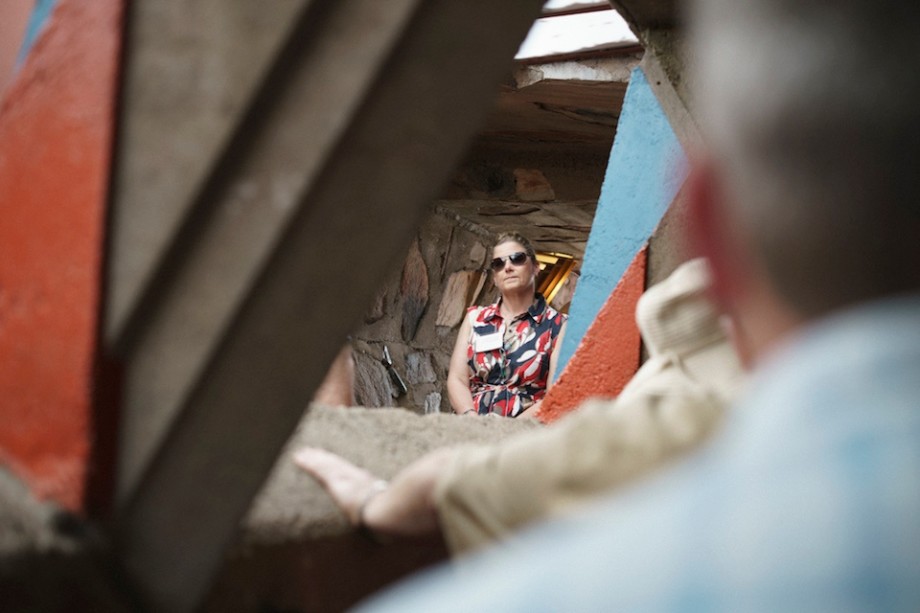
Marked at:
<point>487,492</point>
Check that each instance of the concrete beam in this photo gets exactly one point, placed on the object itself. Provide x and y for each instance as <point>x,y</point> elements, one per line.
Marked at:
<point>358,167</point>
<point>669,245</point>
<point>301,108</point>
<point>192,71</point>
<point>644,173</point>
<point>669,97</point>
<point>644,15</point>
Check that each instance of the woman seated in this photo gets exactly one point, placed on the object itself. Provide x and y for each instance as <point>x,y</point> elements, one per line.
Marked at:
<point>505,355</point>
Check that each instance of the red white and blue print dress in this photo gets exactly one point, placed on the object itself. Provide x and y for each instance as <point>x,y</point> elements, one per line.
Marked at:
<point>509,362</point>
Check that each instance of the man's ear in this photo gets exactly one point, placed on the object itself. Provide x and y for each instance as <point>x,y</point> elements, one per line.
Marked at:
<point>711,233</point>
<point>713,236</point>
<point>739,280</point>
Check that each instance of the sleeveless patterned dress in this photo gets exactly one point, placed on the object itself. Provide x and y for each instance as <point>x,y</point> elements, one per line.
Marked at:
<point>509,361</point>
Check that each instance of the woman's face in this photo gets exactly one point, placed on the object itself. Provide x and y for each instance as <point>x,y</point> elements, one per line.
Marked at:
<point>510,276</point>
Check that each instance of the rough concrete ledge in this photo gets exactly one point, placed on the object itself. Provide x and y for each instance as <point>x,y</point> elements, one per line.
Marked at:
<point>296,550</point>
<point>293,507</point>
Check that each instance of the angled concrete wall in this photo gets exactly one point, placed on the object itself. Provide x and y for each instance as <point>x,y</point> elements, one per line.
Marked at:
<point>645,171</point>
<point>647,167</point>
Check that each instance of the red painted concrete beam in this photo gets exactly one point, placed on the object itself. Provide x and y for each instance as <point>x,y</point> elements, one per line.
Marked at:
<point>56,127</point>
<point>608,355</point>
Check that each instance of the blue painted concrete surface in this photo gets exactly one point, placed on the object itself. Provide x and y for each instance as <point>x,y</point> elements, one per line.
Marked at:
<point>646,169</point>
<point>37,20</point>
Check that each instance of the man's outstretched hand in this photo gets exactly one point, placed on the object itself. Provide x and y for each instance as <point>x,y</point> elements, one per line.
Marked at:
<point>405,507</point>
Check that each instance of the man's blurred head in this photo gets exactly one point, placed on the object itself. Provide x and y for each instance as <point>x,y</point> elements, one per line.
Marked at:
<point>811,117</point>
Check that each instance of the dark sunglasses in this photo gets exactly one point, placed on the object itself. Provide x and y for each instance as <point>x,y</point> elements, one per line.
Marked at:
<point>517,259</point>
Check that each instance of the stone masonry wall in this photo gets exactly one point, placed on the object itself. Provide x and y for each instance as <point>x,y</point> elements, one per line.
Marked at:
<point>404,318</point>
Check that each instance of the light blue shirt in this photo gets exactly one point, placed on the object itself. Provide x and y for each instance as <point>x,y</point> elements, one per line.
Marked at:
<point>809,500</point>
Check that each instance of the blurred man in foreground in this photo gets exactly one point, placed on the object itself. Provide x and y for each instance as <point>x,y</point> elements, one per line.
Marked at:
<point>807,203</point>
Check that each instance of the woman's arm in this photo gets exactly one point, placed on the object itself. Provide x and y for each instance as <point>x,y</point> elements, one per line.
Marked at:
<point>534,409</point>
<point>554,356</point>
<point>458,373</point>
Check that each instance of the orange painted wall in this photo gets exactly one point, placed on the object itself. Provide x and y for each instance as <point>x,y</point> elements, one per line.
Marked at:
<point>56,127</point>
<point>608,355</point>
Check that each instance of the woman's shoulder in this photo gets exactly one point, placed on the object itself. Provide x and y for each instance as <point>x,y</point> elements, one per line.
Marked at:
<point>479,313</point>
<point>474,312</point>
<point>555,316</point>
<point>558,320</point>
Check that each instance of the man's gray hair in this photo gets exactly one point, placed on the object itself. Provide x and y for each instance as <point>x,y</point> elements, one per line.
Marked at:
<point>812,110</point>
